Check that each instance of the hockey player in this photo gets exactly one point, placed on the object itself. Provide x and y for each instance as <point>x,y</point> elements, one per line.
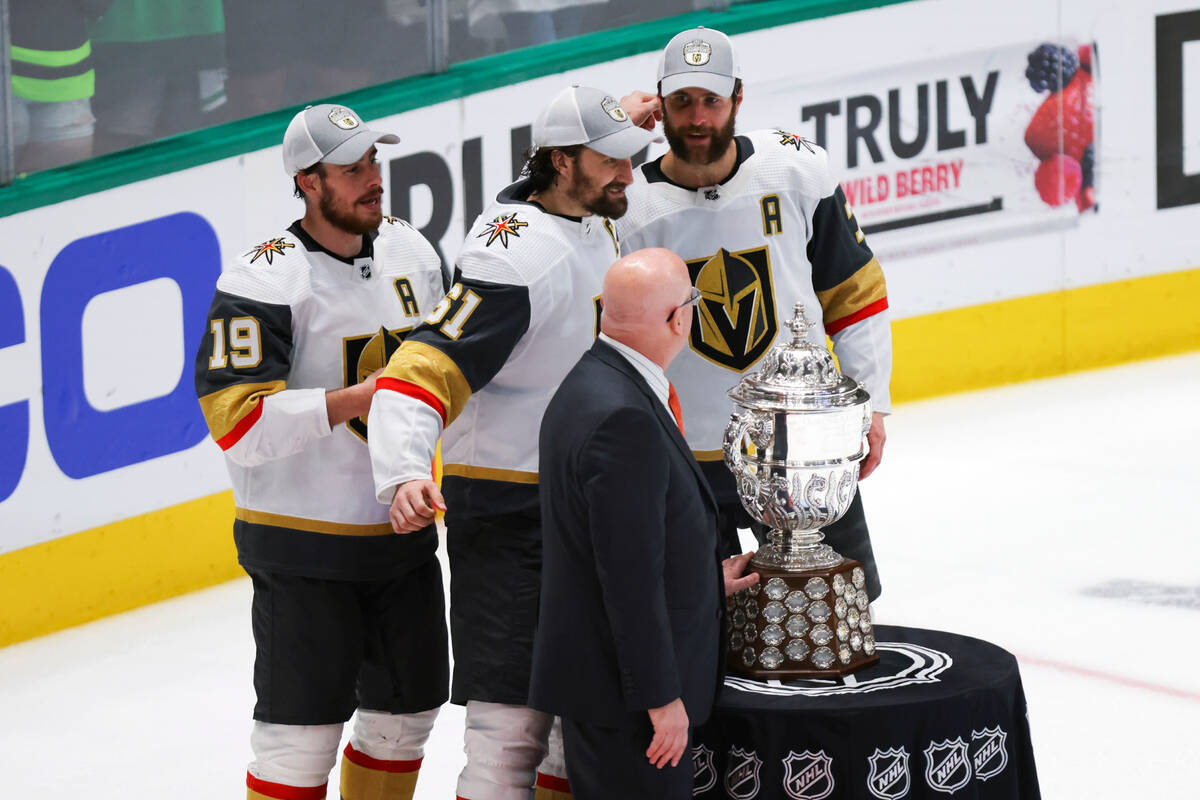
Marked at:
<point>482,367</point>
<point>345,614</point>
<point>762,224</point>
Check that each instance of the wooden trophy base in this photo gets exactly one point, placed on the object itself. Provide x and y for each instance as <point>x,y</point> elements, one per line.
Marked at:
<point>814,623</point>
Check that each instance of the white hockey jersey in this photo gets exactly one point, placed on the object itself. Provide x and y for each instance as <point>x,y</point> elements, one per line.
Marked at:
<point>289,321</point>
<point>776,232</point>
<point>486,362</point>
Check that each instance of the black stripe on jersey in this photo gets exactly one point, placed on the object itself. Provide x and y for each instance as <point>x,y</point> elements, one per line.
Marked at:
<point>313,246</point>
<point>835,249</point>
<point>518,194</point>
<point>478,328</point>
<point>467,498</point>
<point>652,170</point>
<point>243,352</point>
<point>324,555</point>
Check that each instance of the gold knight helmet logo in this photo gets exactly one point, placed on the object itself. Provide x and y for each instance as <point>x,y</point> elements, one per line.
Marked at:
<point>362,355</point>
<point>735,321</point>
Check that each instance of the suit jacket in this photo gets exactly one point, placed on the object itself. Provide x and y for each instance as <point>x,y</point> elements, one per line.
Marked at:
<point>632,592</point>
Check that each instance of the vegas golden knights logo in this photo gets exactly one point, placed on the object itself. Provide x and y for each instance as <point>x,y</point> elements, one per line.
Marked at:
<point>735,321</point>
<point>362,355</point>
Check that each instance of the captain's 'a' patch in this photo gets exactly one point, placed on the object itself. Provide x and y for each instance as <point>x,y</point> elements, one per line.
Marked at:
<point>735,321</point>
<point>362,355</point>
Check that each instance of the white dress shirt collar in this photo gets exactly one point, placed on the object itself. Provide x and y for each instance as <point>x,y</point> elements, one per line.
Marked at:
<point>652,372</point>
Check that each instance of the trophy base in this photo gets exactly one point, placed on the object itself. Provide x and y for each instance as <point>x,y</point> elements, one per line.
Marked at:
<point>812,623</point>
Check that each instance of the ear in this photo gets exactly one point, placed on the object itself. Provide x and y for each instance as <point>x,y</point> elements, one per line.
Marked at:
<point>737,101</point>
<point>308,181</point>
<point>677,322</point>
<point>561,162</point>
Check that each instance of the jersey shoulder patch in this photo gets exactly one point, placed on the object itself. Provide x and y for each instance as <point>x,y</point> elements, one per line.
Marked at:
<point>513,244</point>
<point>796,161</point>
<point>273,271</point>
<point>269,250</point>
<point>502,229</point>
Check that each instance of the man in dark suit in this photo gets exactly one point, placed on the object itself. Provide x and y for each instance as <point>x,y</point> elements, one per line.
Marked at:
<point>629,645</point>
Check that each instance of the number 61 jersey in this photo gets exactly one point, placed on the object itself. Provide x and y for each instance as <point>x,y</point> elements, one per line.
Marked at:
<point>778,231</point>
<point>289,322</point>
<point>487,360</point>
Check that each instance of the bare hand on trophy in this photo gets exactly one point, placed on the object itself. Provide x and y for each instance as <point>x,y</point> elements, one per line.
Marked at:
<point>876,436</point>
<point>415,505</point>
<point>733,569</point>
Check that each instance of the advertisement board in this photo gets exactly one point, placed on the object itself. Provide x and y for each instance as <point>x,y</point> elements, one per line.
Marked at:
<point>1012,231</point>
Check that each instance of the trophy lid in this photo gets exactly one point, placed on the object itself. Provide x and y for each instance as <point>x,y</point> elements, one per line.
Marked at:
<point>798,375</point>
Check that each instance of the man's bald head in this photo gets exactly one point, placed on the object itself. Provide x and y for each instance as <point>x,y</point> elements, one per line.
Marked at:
<point>641,294</point>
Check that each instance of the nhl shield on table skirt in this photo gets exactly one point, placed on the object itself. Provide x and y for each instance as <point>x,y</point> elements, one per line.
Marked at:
<point>939,715</point>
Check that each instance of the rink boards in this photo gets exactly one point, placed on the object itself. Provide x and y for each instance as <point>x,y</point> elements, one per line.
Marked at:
<point>111,494</point>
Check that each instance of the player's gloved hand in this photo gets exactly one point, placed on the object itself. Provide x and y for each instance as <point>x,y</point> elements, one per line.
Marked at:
<point>415,505</point>
<point>876,436</point>
<point>643,109</point>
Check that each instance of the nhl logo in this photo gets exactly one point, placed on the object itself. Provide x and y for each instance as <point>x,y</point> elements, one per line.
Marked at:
<point>808,775</point>
<point>697,52</point>
<point>741,775</point>
<point>344,118</point>
<point>704,774</point>
<point>989,756</point>
<point>613,109</point>
<point>889,778</point>
<point>365,271</point>
<point>947,766</point>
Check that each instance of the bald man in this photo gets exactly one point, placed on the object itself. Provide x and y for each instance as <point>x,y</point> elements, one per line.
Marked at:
<point>628,647</point>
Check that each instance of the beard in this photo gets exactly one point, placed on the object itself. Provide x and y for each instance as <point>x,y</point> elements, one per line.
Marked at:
<point>718,142</point>
<point>596,199</point>
<point>347,217</point>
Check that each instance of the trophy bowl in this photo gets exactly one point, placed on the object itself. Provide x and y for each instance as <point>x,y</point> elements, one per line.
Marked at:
<point>794,443</point>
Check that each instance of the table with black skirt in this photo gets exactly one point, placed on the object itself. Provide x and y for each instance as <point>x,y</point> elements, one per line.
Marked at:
<point>940,715</point>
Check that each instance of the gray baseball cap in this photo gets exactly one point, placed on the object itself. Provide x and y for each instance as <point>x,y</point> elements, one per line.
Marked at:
<point>699,57</point>
<point>328,133</point>
<point>587,116</point>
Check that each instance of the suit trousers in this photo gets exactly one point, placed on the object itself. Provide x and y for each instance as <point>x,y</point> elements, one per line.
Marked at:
<point>605,763</point>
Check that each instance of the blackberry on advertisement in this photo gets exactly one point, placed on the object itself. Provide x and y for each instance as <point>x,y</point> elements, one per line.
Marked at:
<point>1087,164</point>
<point>1045,64</point>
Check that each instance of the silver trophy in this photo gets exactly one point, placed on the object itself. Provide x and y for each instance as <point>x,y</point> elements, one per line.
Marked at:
<point>794,443</point>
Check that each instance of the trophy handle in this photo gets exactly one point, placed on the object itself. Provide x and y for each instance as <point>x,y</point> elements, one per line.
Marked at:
<point>735,432</point>
<point>760,430</point>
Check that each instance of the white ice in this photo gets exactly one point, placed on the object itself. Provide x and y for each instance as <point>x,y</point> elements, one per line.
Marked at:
<point>993,515</point>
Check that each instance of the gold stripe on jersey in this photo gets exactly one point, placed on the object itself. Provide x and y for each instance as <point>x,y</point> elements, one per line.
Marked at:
<point>425,366</point>
<point>490,474</point>
<point>864,287</point>
<point>312,525</point>
<point>708,455</point>
<point>225,408</point>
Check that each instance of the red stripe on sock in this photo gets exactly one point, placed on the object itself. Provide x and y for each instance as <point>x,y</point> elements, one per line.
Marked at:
<point>412,390</point>
<point>379,764</point>
<point>848,320</point>
<point>284,792</point>
<point>553,783</point>
<point>244,424</point>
